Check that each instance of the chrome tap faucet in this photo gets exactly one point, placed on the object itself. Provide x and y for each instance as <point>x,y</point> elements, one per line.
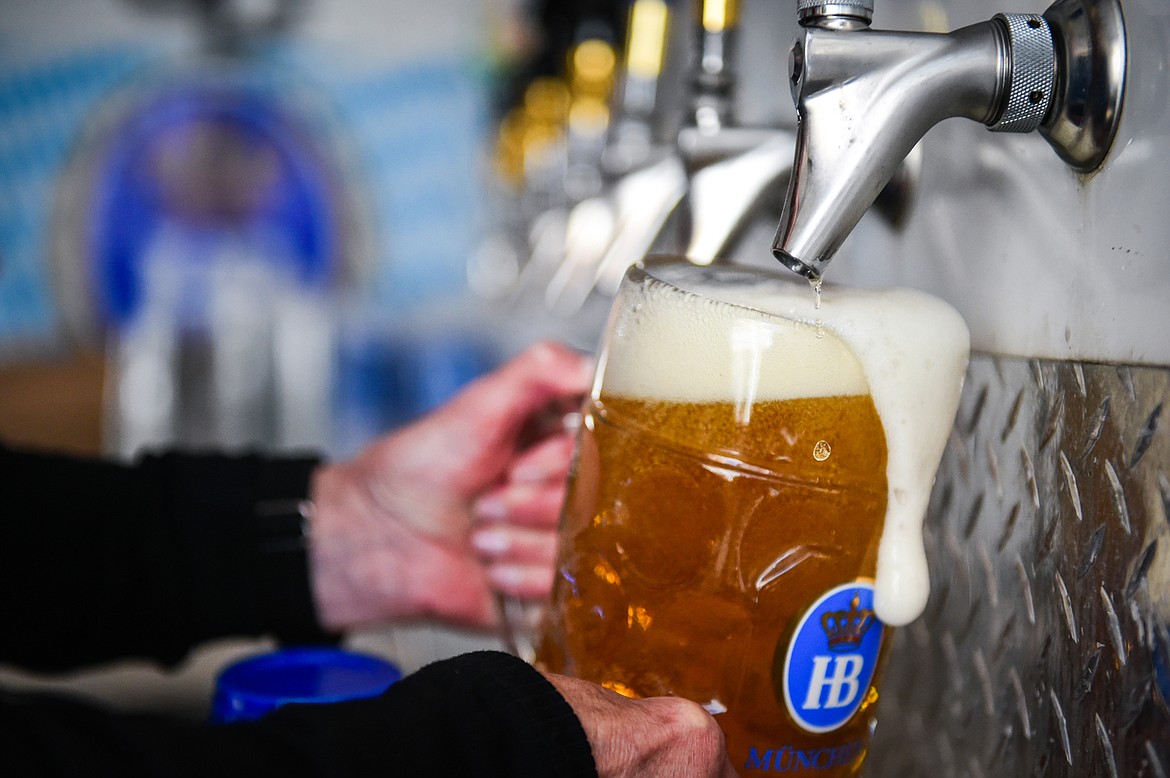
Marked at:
<point>694,199</point>
<point>864,98</point>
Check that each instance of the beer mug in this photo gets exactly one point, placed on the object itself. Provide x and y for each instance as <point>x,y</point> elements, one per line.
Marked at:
<point>732,498</point>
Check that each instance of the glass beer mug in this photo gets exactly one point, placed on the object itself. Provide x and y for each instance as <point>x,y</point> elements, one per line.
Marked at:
<point>720,536</point>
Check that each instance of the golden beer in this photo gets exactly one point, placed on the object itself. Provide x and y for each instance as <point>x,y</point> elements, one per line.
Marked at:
<point>729,487</point>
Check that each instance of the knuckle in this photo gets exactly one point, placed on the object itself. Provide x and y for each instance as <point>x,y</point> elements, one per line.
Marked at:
<point>699,731</point>
<point>684,717</point>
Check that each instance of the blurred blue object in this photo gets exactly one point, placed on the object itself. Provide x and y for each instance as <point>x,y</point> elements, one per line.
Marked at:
<point>392,144</point>
<point>390,375</point>
<point>206,170</point>
<point>253,687</point>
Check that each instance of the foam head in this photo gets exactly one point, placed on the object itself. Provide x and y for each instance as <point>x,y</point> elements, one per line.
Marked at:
<point>703,334</point>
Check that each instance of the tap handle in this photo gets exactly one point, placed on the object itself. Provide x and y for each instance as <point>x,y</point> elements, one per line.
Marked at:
<point>1030,59</point>
<point>713,86</point>
<point>816,12</point>
<point>647,30</point>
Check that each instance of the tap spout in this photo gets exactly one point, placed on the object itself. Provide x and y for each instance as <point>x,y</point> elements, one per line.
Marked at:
<point>864,98</point>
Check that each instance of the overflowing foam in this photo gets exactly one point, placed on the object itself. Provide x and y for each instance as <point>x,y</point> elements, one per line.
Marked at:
<point>743,336</point>
<point>705,347</point>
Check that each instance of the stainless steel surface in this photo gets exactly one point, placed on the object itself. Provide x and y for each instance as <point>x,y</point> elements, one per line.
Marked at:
<point>1032,72</point>
<point>865,100</point>
<point>1043,649</point>
<point>1092,42</point>
<point>734,174</point>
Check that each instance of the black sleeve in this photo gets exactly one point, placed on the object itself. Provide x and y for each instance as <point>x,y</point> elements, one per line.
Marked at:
<point>481,714</point>
<point>102,561</point>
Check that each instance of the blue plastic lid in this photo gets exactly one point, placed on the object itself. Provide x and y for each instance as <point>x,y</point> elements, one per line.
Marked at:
<point>252,687</point>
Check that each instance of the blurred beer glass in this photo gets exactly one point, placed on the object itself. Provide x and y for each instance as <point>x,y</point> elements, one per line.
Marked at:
<point>720,537</point>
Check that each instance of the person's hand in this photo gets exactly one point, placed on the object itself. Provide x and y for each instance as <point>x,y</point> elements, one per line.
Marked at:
<point>431,520</point>
<point>647,738</point>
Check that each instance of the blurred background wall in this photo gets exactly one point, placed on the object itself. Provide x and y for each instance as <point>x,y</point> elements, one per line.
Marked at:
<point>220,221</point>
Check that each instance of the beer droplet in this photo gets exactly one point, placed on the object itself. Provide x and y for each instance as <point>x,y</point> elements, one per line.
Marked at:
<point>621,688</point>
<point>822,450</point>
<point>636,614</point>
<point>816,287</point>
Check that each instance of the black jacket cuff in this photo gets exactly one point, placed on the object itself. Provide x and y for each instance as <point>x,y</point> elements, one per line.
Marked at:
<point>486,713</point>
<point>237,528</point>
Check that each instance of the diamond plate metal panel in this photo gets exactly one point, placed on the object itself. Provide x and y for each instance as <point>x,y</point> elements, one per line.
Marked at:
<point>1044,646</point>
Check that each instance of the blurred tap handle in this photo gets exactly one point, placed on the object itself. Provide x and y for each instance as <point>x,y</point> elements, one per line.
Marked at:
<point>646,31</point>
<point>529,133</point>
<point>509,151</point>
<point>592,67</point>
<point>718,16</point>
<point>713,77</point>
<point>637,106</point>
<point>566,74</point>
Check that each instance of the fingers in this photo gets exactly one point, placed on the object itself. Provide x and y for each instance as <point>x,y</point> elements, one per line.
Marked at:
<point>513,545</point>
<point>515,535</point>
<point>523,582</point>
<point>545,462</point>
<point>534,490</point>
<point>521,504</point>
<point>498,405</point>
<point>686,722</point>
<point>518,562</point>
<point>548,367</point>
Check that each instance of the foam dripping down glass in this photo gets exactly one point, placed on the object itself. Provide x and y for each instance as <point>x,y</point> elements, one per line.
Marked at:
<point>743,521</point>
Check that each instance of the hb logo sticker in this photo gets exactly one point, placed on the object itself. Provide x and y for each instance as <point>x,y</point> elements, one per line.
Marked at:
<point>831,658</point>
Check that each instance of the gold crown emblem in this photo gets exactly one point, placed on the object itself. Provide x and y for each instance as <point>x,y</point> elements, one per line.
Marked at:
<point>845,629</point>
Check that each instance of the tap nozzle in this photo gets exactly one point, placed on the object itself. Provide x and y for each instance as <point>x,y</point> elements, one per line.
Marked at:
<point>864,100</point>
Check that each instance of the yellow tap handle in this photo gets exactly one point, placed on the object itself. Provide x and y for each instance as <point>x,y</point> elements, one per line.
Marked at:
<point>719,15</point>
<point>646,38</point>
<point>546,100</point>
<point>591,67</point>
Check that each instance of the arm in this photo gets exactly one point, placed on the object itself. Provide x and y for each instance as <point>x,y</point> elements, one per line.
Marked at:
<point>101,561</point>
<point>485,714</point>
<point>481,714</point>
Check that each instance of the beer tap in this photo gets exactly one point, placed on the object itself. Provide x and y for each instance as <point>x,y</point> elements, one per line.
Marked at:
<point>728,169</point>
<point>644,178</point>
<point>731,168</point>
<point>864,98</point>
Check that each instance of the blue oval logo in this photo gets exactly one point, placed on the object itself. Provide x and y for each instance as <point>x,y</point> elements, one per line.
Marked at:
<point>831,658</point>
